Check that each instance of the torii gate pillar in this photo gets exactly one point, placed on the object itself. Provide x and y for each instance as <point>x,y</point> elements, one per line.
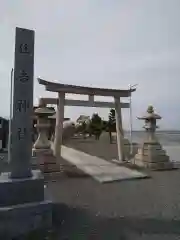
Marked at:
<point>59,125</point>
<point>119,130</point>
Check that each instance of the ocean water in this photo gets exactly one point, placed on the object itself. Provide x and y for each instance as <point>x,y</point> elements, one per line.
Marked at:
<point>170,141</point>
<point>166,138</point>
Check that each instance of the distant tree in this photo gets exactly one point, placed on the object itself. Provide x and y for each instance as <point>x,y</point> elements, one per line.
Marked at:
<point>111,123</point>
<point>112,116</point>
<point>96,125</point>
<point>82,128</point>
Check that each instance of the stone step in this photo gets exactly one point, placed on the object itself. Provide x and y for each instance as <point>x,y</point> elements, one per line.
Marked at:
<point>152,158</point>
<point>154,165</point>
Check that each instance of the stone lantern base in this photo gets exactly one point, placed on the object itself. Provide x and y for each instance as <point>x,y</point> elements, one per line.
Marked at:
<point>47,163</point>
<point>151,155</point>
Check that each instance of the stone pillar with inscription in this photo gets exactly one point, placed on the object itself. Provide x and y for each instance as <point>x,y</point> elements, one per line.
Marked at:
<point>22,205</point>
<point>22,109</point>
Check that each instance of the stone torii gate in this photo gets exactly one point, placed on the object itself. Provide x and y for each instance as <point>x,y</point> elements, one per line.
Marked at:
<point>61,101</point>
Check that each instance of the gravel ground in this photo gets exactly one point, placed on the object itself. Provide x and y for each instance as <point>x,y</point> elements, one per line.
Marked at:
<point>137,209</point>
<point>102,148</point>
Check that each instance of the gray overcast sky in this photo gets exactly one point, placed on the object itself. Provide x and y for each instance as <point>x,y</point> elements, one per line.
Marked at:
<point>104,43</point>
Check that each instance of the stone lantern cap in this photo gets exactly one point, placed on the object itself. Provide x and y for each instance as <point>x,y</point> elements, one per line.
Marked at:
<point>53,116</point>
<point>150,114</point>
<point>44,111</point>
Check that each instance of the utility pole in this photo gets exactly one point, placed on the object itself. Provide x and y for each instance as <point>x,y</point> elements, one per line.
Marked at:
<point>131,123</point>
<point>10,118</point>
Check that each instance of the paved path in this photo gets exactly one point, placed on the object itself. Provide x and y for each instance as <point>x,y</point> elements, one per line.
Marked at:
<point>100,169</point>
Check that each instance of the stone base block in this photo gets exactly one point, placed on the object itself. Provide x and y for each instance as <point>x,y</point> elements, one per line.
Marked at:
<point>19,191</point>
<point>39,151</point>
<point>23,219</point>
<point>53,176</point>
<point>47,163</point>
<point>153,152</point>
<point>152,144</point>
<point>154,165</point>
<point>152,158</point>
<point>152,155</point>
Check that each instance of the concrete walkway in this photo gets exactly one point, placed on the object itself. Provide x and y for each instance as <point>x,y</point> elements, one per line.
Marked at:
<point>101,170</point>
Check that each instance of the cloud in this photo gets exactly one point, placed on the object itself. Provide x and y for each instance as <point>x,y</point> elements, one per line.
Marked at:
<point>101,43</point>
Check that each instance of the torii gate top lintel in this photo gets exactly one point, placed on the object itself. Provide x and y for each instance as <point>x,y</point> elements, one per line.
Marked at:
<point>62,89</point>
<point>66,88</point>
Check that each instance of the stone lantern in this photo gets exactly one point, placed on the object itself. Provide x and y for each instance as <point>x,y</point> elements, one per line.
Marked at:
<point>150,153</point>
<point>43,125</point>
<point>150,124</point>
<point>42,152</point>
